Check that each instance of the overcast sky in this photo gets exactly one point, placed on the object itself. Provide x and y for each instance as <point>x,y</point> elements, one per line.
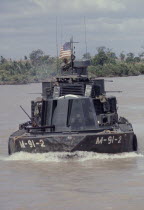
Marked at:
<point>27,25</point>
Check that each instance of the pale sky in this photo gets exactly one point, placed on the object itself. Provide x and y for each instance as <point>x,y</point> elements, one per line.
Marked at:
<point>27,25</point>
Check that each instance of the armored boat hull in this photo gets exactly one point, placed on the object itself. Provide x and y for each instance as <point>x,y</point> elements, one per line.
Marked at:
<point>74,114</point>
<point>102,142</point>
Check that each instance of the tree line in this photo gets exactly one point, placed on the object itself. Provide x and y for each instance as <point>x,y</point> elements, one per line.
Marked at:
<point>39,66</point>
<point>33,68</point>
<point>107,63</point>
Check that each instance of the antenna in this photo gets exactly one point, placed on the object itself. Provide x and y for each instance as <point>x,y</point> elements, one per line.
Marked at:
<point>72,55</point>
<point>71,43</point>
<point>56,46</point>
<point>85,35</point>
<point>61,34</point>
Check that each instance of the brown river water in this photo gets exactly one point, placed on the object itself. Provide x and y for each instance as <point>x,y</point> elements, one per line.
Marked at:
<point>88,181</point>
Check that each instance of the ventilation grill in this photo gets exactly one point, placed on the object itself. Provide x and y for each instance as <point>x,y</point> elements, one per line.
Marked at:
<point>74,89</point>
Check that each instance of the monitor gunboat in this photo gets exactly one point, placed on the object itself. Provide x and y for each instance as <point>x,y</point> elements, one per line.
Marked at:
<point>74,114</point>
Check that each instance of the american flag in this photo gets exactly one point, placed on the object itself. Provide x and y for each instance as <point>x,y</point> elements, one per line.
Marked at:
<point>65,51</point>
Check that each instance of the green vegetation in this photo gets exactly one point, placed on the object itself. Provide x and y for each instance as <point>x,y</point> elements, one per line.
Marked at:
<point>38,66</point>
<point>106,64</point>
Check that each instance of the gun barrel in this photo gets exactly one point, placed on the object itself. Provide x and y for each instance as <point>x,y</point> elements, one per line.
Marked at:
<point>112,91</point>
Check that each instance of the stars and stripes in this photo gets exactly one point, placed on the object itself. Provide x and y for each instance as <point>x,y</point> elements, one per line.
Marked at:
<point>65,51</point>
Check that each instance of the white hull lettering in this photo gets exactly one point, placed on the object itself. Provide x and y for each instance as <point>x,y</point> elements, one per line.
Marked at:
<point>109,140</point>
<point>42,143</point>
<point>99,140</point>
<point>31,143</point>
<point>119,139</point>
<point>22,144</point>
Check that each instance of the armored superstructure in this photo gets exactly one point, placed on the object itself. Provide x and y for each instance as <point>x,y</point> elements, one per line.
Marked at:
<point>74,114</point>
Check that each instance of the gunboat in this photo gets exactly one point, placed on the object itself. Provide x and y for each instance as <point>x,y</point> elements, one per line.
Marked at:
<point>74,114</point>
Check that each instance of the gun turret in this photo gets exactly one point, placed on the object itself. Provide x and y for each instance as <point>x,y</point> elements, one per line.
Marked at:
<point>78,67</point>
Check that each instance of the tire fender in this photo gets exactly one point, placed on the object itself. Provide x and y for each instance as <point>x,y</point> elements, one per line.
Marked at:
<point>135,143</point>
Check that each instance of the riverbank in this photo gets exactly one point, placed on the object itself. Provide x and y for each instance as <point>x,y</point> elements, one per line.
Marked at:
<point>13,83</point>
<point>92,73</point>
<point>19,82</point>
<point>39,67</point>
<point>120,69</point>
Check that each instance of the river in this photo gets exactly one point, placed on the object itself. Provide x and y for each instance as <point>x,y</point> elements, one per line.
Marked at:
<point>86,181</point>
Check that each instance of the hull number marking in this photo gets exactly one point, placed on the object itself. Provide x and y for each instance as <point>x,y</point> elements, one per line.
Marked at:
<point>31,143</point>
<point>109,140</point>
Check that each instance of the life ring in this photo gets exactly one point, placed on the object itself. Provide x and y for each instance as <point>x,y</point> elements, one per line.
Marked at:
<point>134,143</point>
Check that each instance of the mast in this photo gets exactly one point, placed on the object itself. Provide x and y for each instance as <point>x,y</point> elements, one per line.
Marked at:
<point>72,52</point>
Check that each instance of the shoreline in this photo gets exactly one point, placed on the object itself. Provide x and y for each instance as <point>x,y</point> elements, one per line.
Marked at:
<point>40,81</point>
<point>18,83</point>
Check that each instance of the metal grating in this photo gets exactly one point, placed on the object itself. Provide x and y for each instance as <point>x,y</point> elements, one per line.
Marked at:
<point>75,89</point>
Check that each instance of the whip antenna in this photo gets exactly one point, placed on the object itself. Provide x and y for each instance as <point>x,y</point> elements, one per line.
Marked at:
<point>61,34</point>
<point>85,36</point>
<point>56,46</point>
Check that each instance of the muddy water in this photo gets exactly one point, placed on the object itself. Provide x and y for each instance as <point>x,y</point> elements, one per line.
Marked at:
<point>85,180</point>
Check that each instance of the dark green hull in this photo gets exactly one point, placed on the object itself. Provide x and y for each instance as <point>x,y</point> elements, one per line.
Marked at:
<point>102,142</point>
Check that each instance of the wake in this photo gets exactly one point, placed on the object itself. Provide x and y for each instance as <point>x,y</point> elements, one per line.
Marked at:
<point>67,156</point>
